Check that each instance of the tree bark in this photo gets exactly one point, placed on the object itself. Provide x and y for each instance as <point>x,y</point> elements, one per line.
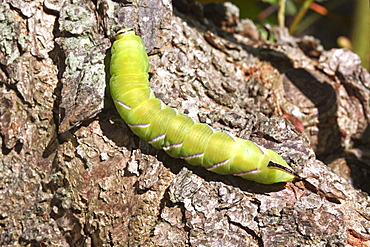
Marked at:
<point>73,174</point>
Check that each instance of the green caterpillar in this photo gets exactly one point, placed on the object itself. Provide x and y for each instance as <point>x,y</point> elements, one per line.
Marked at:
<point>181,136</point>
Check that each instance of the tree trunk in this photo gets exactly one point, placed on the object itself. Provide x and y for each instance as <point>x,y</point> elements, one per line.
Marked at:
<point>72,173</point>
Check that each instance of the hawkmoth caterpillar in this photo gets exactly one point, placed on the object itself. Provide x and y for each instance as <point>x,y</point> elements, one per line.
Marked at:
<point>177,134</point>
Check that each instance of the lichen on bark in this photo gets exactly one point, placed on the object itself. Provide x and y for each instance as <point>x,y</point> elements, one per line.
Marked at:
<point>73,174</point>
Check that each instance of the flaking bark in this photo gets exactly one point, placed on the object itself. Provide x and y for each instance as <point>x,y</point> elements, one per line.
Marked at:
<point>73,174</point>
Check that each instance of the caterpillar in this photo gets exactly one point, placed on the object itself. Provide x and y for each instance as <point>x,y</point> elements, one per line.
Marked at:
<point>177,134</point>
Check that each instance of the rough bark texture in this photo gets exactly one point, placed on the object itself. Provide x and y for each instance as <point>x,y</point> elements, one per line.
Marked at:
<point>73,174</point>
